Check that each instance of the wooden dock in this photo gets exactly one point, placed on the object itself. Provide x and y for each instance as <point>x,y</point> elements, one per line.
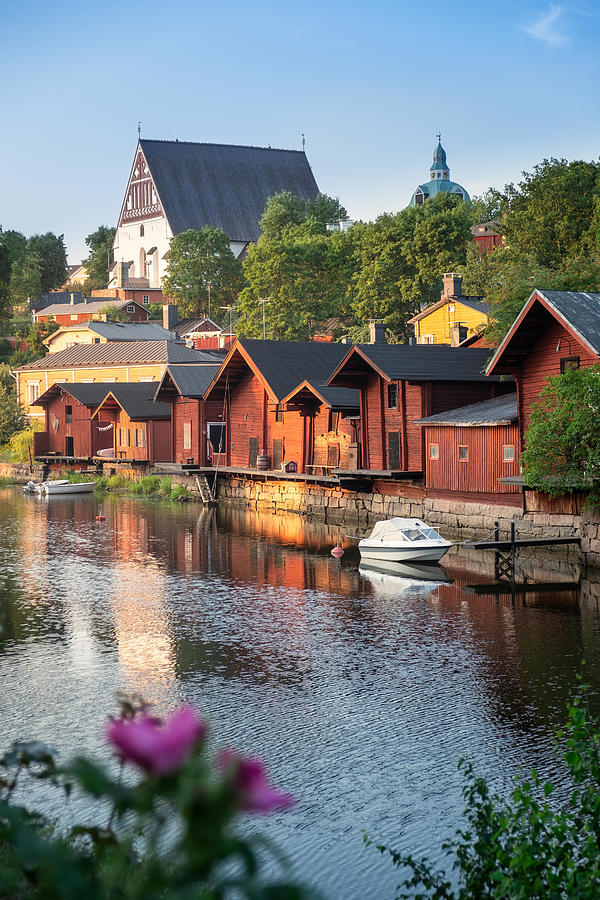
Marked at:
<point>525,542</point>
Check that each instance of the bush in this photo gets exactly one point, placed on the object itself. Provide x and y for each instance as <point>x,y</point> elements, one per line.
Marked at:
<point>17,448</point>
<point>181,806</point>
<point>532,846</point>
<point>150,484</point>
<point>164,486</point>
<point>180,492</point>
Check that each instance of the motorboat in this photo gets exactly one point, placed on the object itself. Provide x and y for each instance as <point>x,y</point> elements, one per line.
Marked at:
<point>400,540</point>
<point>38,487</point>
<point>68,487</point>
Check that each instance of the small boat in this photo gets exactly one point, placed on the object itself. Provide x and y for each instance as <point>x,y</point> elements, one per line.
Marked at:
<point>68,487</point>
<point>38,487</point>
<point>400,540</point>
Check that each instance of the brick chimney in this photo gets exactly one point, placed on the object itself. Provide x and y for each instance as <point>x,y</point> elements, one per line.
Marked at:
<point>376,332</point>
<point>452,285</point>
<point>458,334</point>
<point>170,316</point>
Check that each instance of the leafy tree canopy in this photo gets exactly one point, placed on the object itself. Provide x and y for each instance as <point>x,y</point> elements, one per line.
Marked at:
<point>11,414</point>
<point>563,440</point>
<point>14,243</point>
<point>113,313</point>
<point>26,277</point>
<point>97,264</point>
<point>52,256</point>
<point>202,272</point>
<point>285,211</point>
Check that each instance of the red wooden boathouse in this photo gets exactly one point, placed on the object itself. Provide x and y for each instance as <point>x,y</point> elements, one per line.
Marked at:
<point>70,429</point>
<point>141,428</point>
<point>197,427</point>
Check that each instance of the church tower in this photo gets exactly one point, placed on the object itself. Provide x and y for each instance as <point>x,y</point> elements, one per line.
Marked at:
<point>439,180</point>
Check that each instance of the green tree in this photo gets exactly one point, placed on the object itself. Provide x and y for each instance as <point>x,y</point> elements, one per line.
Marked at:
<point>563,439</point>
<point>98,262</point>
<point>202,272</point>
<point>11,414</point>
<point>26,277</point>
<point>303,277</point>
<point>285,211</point>
<point>14,243</point>
<point>52,255</point>
<point>114,313</point>
<point>400,259</point>
<point>550,214</point>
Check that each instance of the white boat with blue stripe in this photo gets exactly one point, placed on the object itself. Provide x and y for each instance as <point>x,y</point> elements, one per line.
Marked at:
<point>401,539</point>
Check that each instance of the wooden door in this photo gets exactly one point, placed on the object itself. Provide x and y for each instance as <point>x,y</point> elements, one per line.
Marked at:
<point>333,455</point>
<point>277,454</point>
<point>394,450</point>
<point>252,452</point>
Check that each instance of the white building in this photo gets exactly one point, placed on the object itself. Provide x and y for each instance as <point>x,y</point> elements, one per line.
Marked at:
<point>176,185</point>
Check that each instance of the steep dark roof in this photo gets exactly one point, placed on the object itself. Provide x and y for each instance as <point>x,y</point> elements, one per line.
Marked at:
<point>284,364</point>
<point>223,185</point>
<point>474,303</point>
<point>185,326</point>
<point>88,394</point>
<point>138,400</point>
<point>498,411</point>
<point>581,310</point>
<point>427,362</point>
<point>190,381</point>
<point>124,331</point>
<point>122,353</point>
<point>337,398</point>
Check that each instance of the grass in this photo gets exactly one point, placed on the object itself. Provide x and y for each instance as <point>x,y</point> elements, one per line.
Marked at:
<point>149,486</point>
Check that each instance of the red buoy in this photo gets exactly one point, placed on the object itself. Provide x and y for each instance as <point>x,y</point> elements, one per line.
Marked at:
<point>100,518</point>
<point>337,552</point>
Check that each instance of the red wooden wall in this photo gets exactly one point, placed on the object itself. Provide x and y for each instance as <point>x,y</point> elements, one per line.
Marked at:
<point>87,440</point>
<point>484,465</point>
<point>196,413</point>
<point>147,441</point>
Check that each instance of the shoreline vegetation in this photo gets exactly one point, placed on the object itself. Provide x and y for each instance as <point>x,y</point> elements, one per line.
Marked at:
<point>157,486</point>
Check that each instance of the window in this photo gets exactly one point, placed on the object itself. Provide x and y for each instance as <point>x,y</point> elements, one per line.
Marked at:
<point>142,437</point>
<point>463,453</point>
<point>130,307</point>
<point>125,434</point>
<point>146,298</point>
<point>392,396</point>
<point>187,435</point>
<point>71,344</point>
<point>147,378</point>
<point>68,415</point>
<point>108,380</point>
<point>334,420</point>
<point>434,451</point>
<point>279,413</point>
<point>87,381</point>
<point>96,340</point>
<point>135,437</point>
<point>568,362</point>
<point>427,339</point>
<point>451,307</point>
<point>33,391</point>
<point>141,231</point>
<point>215,432</point>
<point>508,453</point>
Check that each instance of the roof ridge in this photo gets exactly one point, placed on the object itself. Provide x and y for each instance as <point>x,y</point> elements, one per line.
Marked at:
<point>216,144</point>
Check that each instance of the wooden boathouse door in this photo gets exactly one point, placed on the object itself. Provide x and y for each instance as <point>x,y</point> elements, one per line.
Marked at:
<point>393,450</point>
<point>277,454</point>
<point>252,452</point>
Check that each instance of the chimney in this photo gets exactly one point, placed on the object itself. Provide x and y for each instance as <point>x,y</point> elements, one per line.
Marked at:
<point>71,299</point>
<point>376,332</point>
<point>452,285</point>
<point>458,334</point>
<point>169,316</point>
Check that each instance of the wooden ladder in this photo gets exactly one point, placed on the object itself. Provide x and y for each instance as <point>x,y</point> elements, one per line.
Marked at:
<point>205,490</point>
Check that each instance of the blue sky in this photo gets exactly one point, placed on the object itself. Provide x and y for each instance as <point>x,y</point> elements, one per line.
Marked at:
<point>369,83</point>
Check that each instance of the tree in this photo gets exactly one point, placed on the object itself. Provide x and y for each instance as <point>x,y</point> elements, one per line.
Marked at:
<point>98,262</point>
<point>14,243</point>
<point>285,211</point>
<point>113,313</point>
<point>11,414</point>
<point>401,259</point>
<point>202,272</point>
<point>52,256</point>
<point>303,277</point>
<point>26,277</point>
<point>563,439</point>
<point>550,214</point>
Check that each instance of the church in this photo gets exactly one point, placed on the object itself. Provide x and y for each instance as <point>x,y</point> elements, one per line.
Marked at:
<point>439,180</point>
<point>176,185</point>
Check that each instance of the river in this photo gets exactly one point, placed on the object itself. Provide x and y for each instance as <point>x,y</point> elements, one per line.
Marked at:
<point>361,690</point>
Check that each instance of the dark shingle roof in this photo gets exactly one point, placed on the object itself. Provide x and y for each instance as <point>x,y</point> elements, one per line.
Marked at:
<point>285,364</point>
<point>223,185</point>
<point>498,411</point>
<point>123,353</point>
<point>185,326</point>
<point>190,381</point>
<point>87,394</point>
<point>427,362</point>
<point>581,310</point>
<point>126,331</point>
<point>138,400</point>
<point>474,303</point>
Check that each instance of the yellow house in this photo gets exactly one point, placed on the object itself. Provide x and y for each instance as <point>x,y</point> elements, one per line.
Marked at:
<point>105,332</point>
<point>125,361</point>
<point>453,318</point>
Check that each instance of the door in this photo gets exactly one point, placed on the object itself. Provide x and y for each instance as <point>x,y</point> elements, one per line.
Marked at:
<point>252,452</point>
<point>69,446</point>
<point>394,450</point>
<point>333,456</point>
<point>277,454</point>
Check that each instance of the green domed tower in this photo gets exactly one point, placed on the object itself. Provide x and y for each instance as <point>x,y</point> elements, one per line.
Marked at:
<point>439,180</point>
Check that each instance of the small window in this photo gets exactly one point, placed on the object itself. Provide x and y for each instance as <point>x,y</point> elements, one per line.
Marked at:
<point>146,298</point>
<point>333,421</point>
<point>96,340</point>
<point>68,415</point>
<point>434,451</point>
<point>463,453</point>
<point>126,437</point>
<point>392,396</point>
<point>187,435</point>
<point>130,307</point>
<point>451,307</point>
<point>73,317</point>
<point>279,413</point>
<point>427,339</point>
<point>141,231</point>
<point>508,453</point>
<point>568,362</point>
<point>135,437</point>
<point>33,391</point>
<point>147,378</point>
<point>142,437</point>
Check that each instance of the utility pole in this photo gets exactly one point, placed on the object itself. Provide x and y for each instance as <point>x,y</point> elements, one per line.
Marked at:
<point>264,320</point>
<point>230,308</point>
<point>208,287</point>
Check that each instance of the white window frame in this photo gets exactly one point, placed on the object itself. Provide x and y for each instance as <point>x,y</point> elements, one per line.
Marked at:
<point>109,380</point>
<point>506,458</point>
<point>131,307</point>
<point>432,454</point>
<point>33,391</point>
<point>146,378</point>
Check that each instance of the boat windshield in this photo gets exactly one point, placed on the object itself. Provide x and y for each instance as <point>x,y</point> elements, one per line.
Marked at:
<point>430,533</point>
<point>413,534</point>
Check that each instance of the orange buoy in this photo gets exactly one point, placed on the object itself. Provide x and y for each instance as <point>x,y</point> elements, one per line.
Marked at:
<point>337,552</point>
<point>100,518</point>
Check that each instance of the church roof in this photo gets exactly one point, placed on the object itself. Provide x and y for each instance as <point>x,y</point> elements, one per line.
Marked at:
<point>441,186</point>
<point>223,185</point>
<point>439,158</point>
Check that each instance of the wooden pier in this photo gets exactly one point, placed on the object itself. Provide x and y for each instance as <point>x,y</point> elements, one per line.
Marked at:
<point>506,550</point>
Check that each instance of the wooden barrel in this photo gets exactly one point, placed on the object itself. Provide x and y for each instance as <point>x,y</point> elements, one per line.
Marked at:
<point>262,461</point>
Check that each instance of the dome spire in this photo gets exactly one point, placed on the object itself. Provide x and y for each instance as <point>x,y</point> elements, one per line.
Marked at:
<point>439,168</point>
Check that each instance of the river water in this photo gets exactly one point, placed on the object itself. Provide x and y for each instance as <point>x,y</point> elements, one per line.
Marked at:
<point>362,690</point>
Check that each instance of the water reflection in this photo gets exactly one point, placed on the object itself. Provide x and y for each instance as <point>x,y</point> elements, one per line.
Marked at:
<point>362,686</point>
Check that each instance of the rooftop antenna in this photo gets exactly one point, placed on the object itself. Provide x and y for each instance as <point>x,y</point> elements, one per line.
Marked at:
<point>439,137</point>
<point>303,142</point>
<point>139,129</point>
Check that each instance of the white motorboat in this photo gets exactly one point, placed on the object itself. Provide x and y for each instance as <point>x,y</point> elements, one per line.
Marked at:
<point>38,487</point>
<point>400,540</point>
<point>68,487</point>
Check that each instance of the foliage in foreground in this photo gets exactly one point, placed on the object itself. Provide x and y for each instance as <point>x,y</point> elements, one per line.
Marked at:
<point>563,439</point>
<point>533,846</point>
<point>169,832</point>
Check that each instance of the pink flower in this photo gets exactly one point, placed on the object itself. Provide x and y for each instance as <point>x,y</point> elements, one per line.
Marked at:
<point>158,748</point>
<point>250,783</point>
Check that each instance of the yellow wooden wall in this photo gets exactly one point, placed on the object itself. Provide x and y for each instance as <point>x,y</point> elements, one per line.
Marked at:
<point>60,340</point>
<point>439,321</point>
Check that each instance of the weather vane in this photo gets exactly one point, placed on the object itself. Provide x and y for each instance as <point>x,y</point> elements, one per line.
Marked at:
<point>303,141</point>
<point>139,128</point>
<point>439,137</point>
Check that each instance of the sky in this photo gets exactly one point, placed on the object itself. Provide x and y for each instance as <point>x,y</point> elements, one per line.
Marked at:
<point>369,84</point>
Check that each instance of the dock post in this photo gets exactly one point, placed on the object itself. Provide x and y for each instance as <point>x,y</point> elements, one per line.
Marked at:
<point>496,531</point>
<point>513,552</point>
